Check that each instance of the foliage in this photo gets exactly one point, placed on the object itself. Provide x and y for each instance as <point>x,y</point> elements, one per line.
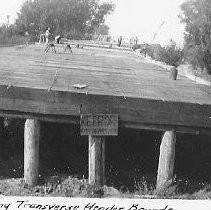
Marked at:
<point>102,30</point>
<point>142,187</point>
<point>196,15</point>
<point>170,54</point>
<point>75,19</point>
<point>8,35</point>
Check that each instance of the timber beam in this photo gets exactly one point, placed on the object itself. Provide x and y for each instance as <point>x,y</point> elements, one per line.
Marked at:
<point>160,127</point>
<point>131,125</point>
<point>144,110</point>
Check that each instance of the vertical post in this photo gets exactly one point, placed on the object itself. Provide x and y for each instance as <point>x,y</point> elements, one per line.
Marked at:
<point>173,73</point>
<point>96,160</point>
<point>1,126</point>
<point>166,160</point>
<point>31,151</point>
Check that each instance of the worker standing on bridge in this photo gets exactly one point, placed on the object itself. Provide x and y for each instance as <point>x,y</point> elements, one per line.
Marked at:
<point>58,39</point>
<point>136,40</point>
<point>119,41</point>
<point>47,36</point>
<point>42,38</point>
<point>27,37</point>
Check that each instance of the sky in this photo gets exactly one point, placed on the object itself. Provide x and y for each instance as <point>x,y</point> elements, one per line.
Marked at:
<point>9,7</point>
<point>131,18</point>
<point>142,18</point>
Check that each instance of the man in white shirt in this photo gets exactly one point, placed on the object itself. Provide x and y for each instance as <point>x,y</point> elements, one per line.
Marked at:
<point>47,35</point>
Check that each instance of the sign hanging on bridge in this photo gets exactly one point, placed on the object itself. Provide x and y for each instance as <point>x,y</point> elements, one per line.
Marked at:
<point>99,124</point>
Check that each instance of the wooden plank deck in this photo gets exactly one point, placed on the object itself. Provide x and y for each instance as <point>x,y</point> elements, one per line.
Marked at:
<point>34,83</point>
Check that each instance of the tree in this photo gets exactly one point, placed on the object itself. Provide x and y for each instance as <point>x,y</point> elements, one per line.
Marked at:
<point>196,14</point>
<point>170,54</point>
<point>75,19</point>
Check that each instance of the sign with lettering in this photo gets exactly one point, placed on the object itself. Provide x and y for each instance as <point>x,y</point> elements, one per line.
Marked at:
<point>99,124</point>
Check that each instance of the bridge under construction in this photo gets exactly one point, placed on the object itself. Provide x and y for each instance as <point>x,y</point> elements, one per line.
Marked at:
<point>94,85</point>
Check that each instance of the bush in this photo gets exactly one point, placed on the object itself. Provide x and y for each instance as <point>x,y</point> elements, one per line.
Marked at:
<point>9,35</point>
<point>170,54</point>
<point>15,39</point>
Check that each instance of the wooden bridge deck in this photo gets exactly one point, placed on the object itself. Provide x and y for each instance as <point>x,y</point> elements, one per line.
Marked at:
<point>38,84</point>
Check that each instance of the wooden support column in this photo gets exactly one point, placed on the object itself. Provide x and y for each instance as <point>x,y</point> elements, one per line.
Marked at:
<point>96,160</point>
<point>31,151</point>
<point>1,126</point>
<point>166,160</point>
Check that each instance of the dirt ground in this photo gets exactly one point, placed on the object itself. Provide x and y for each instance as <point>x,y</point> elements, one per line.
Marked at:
<point>61,186</point>
<point>56,186</point>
